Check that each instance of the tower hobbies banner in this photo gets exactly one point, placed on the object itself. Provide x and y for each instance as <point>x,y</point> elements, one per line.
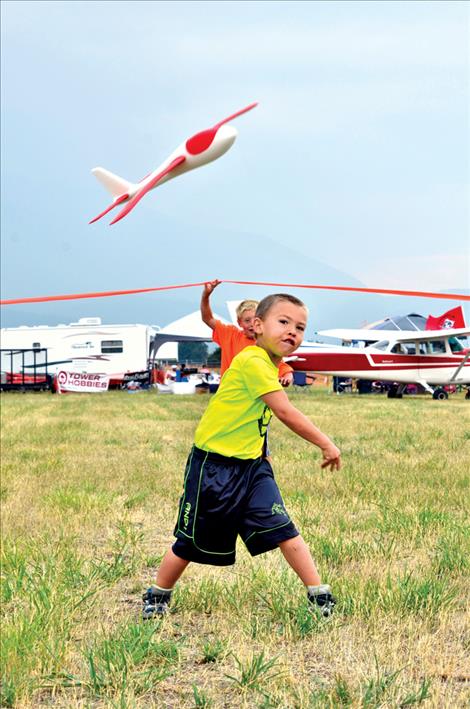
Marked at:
<point>80,381</point>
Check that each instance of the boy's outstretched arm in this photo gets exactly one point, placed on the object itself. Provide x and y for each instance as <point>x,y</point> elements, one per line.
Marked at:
<point>294,419</point>
<point>206,311</point>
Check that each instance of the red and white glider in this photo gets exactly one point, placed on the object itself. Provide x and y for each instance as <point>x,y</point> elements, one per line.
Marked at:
<point>202,148</point>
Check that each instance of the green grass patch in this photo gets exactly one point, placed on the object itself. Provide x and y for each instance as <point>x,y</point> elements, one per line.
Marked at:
<point>89,493</point>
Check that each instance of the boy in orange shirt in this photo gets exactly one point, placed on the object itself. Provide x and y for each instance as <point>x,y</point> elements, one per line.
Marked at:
<point>232,339</point>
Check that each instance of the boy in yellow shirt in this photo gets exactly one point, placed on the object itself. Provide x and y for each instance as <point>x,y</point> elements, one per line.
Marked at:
<point>229,487</point>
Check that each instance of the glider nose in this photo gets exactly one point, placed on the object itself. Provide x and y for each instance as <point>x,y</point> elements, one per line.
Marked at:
<point>227,135</point>
<point>221,138</point>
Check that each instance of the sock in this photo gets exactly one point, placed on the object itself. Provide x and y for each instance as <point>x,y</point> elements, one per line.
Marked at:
<point>318,590</point>
<point>322,597</point>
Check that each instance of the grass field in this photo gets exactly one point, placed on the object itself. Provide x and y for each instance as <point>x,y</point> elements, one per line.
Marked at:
<point>90,486</point>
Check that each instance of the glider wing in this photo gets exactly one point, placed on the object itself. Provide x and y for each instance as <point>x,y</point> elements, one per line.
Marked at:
<point>236,114</point>
<point>118,200</point>
<point>141,193</point>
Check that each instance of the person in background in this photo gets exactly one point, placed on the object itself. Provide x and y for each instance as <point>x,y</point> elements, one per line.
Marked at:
<point>232,339</point>
<point>170,374</point>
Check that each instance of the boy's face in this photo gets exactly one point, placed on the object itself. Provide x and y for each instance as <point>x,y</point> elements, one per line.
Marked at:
<point>246,323</point>
<point>282,330</point>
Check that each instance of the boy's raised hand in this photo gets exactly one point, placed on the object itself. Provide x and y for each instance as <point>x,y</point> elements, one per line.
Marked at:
<point>331,457</point>
<point>210,285</point>
<point>206,310</point>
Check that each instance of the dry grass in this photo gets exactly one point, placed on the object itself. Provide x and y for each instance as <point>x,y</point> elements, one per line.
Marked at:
<point>90,486</point>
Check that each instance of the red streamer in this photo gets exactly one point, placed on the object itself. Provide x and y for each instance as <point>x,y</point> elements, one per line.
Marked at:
<point>102,294</point>
<point>351,289</point>
<point>382,291</point>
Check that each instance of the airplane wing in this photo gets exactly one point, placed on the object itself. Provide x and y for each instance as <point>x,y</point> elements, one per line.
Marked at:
<point>405,336</point>
<point>359,334</point>
<point>396,335</point>
<point>141,193</point>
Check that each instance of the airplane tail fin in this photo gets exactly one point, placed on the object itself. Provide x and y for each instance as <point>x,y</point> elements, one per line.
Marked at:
<point>115,185</point>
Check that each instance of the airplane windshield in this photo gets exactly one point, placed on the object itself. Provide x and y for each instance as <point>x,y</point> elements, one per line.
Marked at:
<point>438,346</point>
<point>382,345</point>
<point>408,348</point>
<point>456,344</point>
<point>432,347</point>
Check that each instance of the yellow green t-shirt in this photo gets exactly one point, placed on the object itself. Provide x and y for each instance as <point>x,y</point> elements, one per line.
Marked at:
<point>235,422</point>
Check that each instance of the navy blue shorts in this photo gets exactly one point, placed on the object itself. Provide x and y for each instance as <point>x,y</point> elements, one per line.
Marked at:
<point>226,497</point>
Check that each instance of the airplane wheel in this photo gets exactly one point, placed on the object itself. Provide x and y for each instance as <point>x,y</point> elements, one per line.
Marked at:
<point>467,395</point>
<point>440,394</point>
<point>394,393</point>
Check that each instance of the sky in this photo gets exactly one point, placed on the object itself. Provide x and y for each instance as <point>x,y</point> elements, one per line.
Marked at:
<point>352,170</point>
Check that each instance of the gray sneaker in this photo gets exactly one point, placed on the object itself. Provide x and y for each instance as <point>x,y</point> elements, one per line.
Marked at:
<point>322,598</point>
<point>156,603</point>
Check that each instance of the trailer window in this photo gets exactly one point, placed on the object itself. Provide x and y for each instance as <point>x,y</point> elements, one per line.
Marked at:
<point>36,345</point>
<point>111,346</point>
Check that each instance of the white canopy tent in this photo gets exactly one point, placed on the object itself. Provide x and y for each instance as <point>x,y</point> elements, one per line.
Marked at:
<point>189,328</point>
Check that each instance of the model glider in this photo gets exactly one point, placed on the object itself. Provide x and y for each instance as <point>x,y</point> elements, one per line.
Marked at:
<point>202,148</point>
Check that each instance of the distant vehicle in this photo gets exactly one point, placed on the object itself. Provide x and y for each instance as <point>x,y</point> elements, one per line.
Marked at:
<point>432,358</point>
<point>85,346</point>
<point>15,377</point>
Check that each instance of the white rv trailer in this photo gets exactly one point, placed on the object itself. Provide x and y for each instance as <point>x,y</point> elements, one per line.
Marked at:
<point>86,346</point>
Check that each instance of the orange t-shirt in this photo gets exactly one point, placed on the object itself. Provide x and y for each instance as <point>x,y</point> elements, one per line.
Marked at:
<point>231,341</point>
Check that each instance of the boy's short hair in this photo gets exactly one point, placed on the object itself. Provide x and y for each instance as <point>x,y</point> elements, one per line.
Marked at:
<point>265,305</point>
<point>246,305</point>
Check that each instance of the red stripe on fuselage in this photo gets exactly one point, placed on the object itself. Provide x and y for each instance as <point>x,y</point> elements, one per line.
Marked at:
<point>324,362</point>
<point>344,362</point>
<point>430,360</point>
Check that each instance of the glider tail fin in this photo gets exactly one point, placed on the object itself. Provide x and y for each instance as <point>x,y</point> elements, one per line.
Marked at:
<point>115,185</point>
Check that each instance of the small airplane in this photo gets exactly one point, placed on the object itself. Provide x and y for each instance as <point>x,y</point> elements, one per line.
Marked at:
<point>200,149</point>
<point>451,319</point>
<point>432,358</point>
